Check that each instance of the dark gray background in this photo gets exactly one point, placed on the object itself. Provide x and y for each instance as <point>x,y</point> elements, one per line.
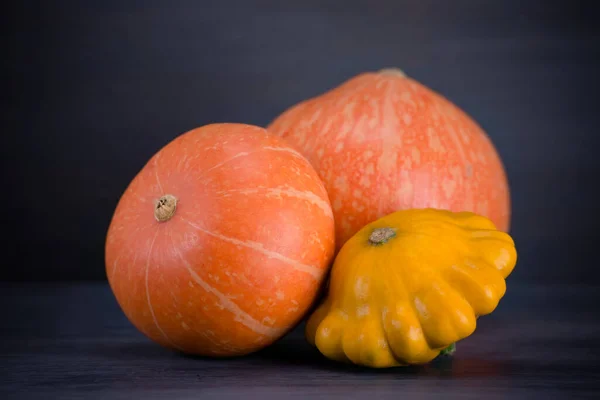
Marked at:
<point>95,88</point>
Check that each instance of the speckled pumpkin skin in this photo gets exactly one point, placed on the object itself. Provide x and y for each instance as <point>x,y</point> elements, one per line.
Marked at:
<point>382,142</point>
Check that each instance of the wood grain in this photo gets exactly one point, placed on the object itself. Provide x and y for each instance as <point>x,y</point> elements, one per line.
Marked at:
<point>72,341</point>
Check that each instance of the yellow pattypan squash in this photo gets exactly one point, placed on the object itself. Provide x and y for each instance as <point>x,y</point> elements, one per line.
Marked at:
<point>409,285</point>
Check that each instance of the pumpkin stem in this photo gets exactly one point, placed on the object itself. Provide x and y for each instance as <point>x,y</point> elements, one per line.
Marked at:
<point>381,235</point>
<point>165,208</point>
<point>393,72</point>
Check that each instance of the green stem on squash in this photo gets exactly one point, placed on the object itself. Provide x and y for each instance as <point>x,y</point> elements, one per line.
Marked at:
<point>448,351</point>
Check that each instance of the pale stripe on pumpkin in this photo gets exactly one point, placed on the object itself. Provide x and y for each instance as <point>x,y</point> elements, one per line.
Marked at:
<point>240,315</point>
<point>286,191</point>
<point>247,153</point>
<point>162,191</point>
<point>309,269</point>
<point>148,295</point>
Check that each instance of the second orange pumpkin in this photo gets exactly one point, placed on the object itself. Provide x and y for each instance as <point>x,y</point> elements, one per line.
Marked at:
<point>383,142</point>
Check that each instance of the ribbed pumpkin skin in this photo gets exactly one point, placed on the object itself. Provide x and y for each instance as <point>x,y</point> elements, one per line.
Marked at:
<point>243,256</point>
<point>382,142</point>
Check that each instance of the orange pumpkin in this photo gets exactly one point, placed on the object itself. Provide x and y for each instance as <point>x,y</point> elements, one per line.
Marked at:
<point>383,142</point>
<point>219,245</point>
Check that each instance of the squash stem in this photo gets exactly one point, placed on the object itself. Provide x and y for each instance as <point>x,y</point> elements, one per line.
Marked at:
<point>393,72</point>
<point>448,351</point>
<point>380,236</point>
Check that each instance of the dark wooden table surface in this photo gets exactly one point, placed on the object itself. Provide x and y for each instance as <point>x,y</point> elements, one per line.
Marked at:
<point>70,341</point>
